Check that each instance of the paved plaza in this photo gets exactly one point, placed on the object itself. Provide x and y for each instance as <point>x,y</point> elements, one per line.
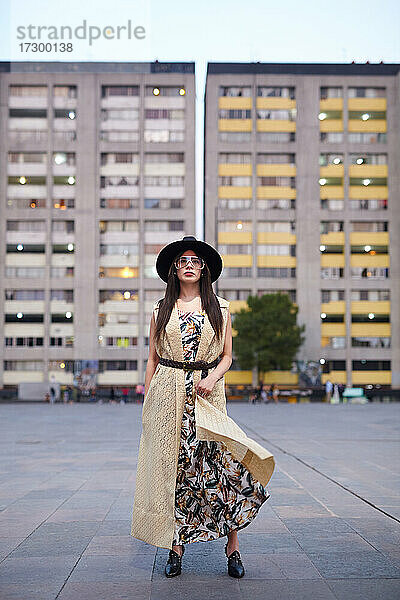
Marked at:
<point>330,530</point>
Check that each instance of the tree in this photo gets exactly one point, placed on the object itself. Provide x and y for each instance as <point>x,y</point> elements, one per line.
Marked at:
<point>268,336</point>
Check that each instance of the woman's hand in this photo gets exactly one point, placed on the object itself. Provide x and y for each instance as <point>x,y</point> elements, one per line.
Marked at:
<point>205,386</point>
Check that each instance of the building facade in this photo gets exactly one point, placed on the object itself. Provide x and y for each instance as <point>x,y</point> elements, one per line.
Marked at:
<point>302,195</point>
<point>97,175</point>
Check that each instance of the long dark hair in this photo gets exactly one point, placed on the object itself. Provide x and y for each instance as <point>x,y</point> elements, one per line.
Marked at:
<point>209,300</point>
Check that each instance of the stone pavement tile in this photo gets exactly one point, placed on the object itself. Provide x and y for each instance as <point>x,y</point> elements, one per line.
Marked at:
<point>105,590</point>
<point>290,589</point>
<point>29,591</point>
<point>50,493</point>
<point>89,514</point>
<point>7,545</point>
<point>267,543</point>
<point>35,570</point>
<point>106,545</point>
<point>310,511</point>
<point>292,497</point>
<point>357,565</point>
<point>318,525</point>
<point>113,568</point>
<point>39,544</point>
<point>338,542</point>
<point>279,566</point>
<point>115,526</point>
<point>264,525</point>
<point>363,589</point>
<point>178,588</point>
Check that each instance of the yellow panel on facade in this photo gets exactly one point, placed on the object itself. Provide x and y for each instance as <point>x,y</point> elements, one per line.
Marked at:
<point>235,124</point>
<point>334,376</point>
<point>378,125</point>
<point>368,171</point>
<point>238,378</point>
<point>275,191</point>
<point>368,191</point>
<point>275,237</point>
<point>276,261</point>
<point>368,260</point>
<point>236,305</point>
<point>367,377</point>
<point>122,377</point>
<point>379,238</point>
<point>331,191</point>
<point>275,125</point>
<point>367,104</point>
<point>333,329</point>
<point>233,169</point>
<point>235,191</point>
<point>372,261</point>
<point>381,307</point>
<point>335,307</point>
<point>332,171</point>
<point>235,237</point>
<point>276,103</point>
<point>236,102</point>
<point>332,260</point>
<point>15,377</point>
<point>331,104</point>
<point>274,170</point>
<point>331,125</point>
<point>370,329</point>
<point>333,238</point>
<point>26,259</point>
<point>281,377</point>
<point>237,260</point>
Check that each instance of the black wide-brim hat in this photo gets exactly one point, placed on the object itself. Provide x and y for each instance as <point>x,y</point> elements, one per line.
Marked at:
<point>189,242</point>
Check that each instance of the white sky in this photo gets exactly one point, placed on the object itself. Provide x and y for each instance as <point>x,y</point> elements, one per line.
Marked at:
<point>215,31</point>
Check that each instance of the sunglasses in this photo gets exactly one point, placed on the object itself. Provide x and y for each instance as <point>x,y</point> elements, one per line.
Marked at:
<point>197,262</point>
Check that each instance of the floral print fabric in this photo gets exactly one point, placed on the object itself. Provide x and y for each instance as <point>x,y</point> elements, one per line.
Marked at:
<point>214,492</point>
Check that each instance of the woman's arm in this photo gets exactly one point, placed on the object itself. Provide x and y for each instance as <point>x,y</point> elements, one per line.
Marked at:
<point>152,361</point>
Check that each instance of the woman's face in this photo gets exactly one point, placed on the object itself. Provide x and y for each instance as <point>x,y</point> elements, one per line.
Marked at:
<point>188,272</point>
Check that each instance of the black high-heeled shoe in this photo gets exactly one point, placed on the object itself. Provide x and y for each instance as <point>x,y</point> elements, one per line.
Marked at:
<point>235,565</point>
<point>174,563</point>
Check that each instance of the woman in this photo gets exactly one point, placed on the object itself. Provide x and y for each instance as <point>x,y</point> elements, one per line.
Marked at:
<point>199,476</point>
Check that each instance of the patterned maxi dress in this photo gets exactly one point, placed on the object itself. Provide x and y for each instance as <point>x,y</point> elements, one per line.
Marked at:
<point>214,492</point>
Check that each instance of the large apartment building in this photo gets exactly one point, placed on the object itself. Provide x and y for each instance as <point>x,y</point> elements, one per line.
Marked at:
<point>302,195</point>
<point>97,175</point>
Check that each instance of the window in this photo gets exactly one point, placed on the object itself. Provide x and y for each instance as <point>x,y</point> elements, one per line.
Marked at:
<point>366,138</point>
<point>369,226</point>
<point>119,90</point>
<point>328,226</point>
<point>368,159</point>
<point>276,159</point>
<point>331,92</point>
<point>234,91</point>
<point>367,92</point>
<point>332,295</point>
<point>27,90</point>
<point>277,226</point>
<point>276,92</point>
<point>234,114</point>
<point>370,295</point>
<point>270,137</point>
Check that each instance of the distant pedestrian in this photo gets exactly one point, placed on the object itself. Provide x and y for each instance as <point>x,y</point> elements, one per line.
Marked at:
<point>328,389</point>
<point>47,397</point>
<point>335,397</point>
<point>52,395</point>
<point>341,390</point>
<point>125,393</point>
<point>275,393</point>
<point>66,396</point>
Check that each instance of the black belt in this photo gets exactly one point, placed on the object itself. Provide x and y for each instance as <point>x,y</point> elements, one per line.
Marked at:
<point>189,365</point>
